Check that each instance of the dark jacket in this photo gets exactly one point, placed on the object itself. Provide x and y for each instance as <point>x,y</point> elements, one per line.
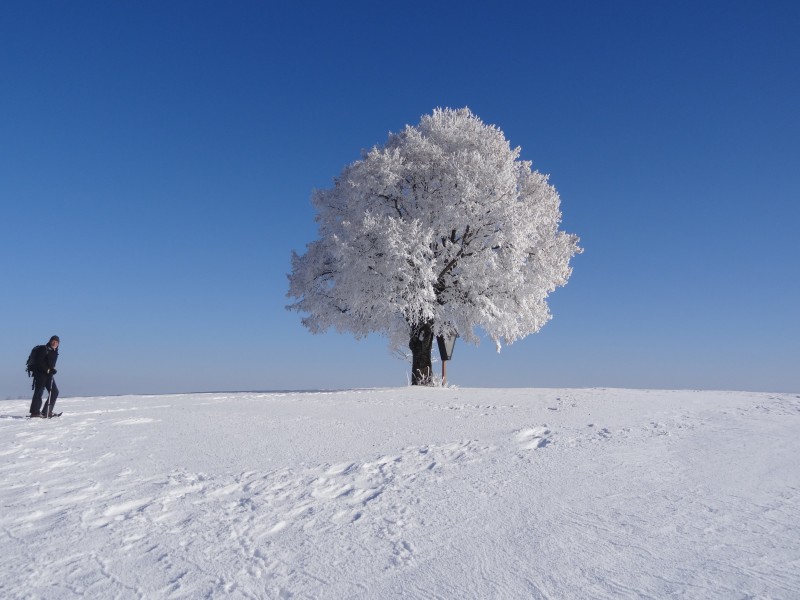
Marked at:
<point>46,362</point>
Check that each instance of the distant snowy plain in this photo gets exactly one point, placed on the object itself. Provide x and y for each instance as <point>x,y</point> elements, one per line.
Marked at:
<point>404,493</point>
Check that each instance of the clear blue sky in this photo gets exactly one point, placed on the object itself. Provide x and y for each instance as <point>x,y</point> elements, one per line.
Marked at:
<point>157,160</point>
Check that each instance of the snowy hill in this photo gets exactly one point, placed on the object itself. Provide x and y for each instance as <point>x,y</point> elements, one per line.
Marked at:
<point>404,493</point>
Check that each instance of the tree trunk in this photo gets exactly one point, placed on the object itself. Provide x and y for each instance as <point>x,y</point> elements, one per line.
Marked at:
<point>420,345</point>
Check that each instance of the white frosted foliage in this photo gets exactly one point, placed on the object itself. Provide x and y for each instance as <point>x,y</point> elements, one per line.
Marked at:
<point>443,225</point>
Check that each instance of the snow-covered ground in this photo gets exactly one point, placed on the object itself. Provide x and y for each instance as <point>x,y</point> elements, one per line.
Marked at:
<point>404,493</point>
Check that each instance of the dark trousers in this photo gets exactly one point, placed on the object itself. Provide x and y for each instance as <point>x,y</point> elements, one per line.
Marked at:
<point>40,384</point>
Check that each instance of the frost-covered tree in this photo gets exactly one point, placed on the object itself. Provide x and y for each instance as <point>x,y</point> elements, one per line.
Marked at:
<point>441,230</point>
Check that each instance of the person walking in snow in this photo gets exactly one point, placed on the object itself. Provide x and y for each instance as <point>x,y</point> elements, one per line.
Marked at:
<point>44,367</point>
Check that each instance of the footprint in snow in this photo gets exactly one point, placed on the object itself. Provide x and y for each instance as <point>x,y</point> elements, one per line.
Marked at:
<point>532,438</point>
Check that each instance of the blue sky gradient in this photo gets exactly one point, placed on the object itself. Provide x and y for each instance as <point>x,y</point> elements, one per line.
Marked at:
<point>157,161</point>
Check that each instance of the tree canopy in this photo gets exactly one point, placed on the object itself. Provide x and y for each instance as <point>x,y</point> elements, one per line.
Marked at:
<point>443,229</point>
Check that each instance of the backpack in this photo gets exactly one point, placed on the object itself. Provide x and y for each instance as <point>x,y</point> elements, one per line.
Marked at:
<point>35,359</point>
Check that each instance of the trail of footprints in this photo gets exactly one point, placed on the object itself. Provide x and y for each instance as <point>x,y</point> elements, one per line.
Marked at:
<point>257,509</point>
<point>315,497</point>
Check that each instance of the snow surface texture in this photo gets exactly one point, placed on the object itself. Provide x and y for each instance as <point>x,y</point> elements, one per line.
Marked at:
<point>404,493</point>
